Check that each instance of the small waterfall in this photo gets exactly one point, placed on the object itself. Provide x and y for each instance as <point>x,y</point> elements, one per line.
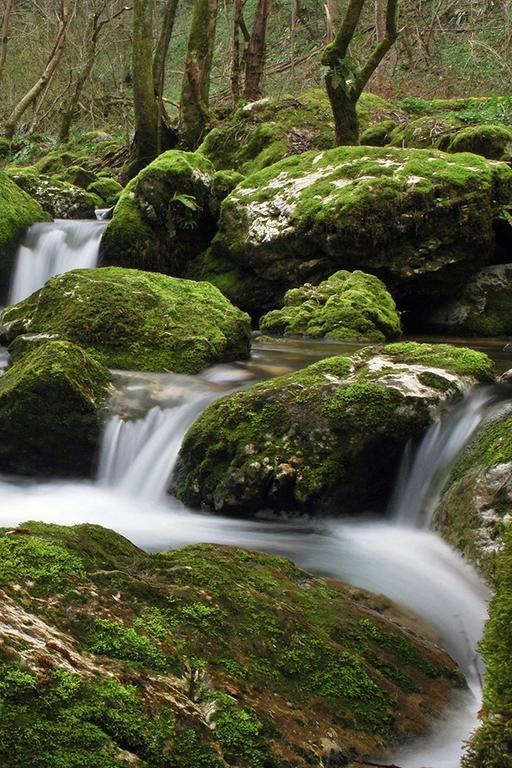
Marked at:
<point>423,475</point>
<point>52,248</point>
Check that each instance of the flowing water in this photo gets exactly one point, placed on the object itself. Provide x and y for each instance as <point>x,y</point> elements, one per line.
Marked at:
<point>52,248</point>
<point>399,557</point>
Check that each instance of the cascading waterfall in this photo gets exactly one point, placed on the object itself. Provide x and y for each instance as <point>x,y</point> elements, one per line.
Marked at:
<point>52,248</point>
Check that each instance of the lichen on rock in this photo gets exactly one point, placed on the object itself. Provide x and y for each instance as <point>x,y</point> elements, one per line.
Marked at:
<point>349,305</point>
<point>60,199</point>
<point>126,318</point>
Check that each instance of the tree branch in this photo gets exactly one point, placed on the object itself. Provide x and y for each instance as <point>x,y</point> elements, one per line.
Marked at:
<point>382,48</point>
<point>339,47</point>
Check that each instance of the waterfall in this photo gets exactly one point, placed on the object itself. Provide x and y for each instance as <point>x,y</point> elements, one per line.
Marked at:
<point>423,475</point>
<point>52,248</point>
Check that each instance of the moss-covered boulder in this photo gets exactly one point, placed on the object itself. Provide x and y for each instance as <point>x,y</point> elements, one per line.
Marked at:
<point>490,746</point>
<point>126,318</point>
<point>476,507</point>
<point>163,217</point>
<point>378,134</point>
<point>206,657</point>
<point>350,305</point>
<point>78,176</point>
<point>262,132</point>
<point>51,404</point>
<point>327,439</point>
<point>223,184</point>
<point>429,131</point>
<point>58,198</point>
<point>17,212</point>
<point>421,220</point>
<point>484,309</point>
<point>108,189</point>
<point>491,141</point>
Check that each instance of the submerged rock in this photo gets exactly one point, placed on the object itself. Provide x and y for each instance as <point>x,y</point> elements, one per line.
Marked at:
<point>484,308</point>
<point>50,411</point>
<point>350,305</point>
<point>17,212</point>
<point>163,218</point>
<point>327,439</point>
<point>205,657</point>
<point>58,198</point>
<point>126,318</point>
<point>476,507</point>
<point>421,220</point>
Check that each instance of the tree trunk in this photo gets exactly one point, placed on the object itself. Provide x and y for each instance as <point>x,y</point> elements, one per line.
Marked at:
<point>194,105</point>
<point>256,55</point>
<point>144,101</point>
<point>159,72</point>
<point>4,39</point>
<point>346,123</point>
<point>53,62</point>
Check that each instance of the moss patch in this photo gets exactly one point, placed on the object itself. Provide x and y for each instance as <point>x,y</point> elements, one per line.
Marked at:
<point>137,320</point>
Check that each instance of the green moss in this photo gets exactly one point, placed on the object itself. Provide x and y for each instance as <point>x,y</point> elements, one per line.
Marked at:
<point>490,745</point>
<point>379,134</point>
<point>136,320</point>
<point>79,177</point>
<point>59,198</point>
<point>240,734</point>
<point>50,403</point>
<point>491,141</point>
<point>112,638</point>
<point>17,212</point>
<point>431,131</point>
<point>45,564</point>
<point>350,305</point>
<point>459,360</point>
<point>108,189</point>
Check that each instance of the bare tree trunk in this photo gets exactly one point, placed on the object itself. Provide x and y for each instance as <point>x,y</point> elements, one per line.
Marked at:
<point>144,101</point>
<point>194,105</point>
<point>71,106</point>
<point>255,68</point>
<point>344,81</point>
<point>159,70</point>
<point>4,39</point>
<point>53,62</point>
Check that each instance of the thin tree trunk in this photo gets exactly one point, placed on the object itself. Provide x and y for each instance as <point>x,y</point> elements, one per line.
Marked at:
<point>53,62</point>
<point>159,69</point>
<point>4,39</point>
<point>144,101</point>
<point>255,68</point>
<point>194,104</point>
<point>236,60</point>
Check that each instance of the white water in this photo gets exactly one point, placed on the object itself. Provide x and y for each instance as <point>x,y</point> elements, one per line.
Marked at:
<point>52,248</point>
<point>412,566</point>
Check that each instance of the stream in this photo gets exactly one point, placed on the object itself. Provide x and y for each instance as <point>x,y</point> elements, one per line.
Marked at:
<point>398,556</point>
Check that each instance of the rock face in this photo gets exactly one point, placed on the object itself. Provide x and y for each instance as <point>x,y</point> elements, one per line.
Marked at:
<point>163,217</point>
<point>484,309</point>
<point>17,212</point>
<point>327,439</point>
<point>490,745</point>
<point>58,198</point>
<point>50,411</point>
<point>206,657</point>
<point>350,305</point>
<point>125,318</point>
<point>421,220</point>
<point>476,507</point>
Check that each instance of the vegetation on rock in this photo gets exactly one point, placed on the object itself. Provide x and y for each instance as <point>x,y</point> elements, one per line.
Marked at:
<point>209,657</point>
<point>350,305</point>
<point>327,439</point>
<point>50,411</point>
<point>126,318</point>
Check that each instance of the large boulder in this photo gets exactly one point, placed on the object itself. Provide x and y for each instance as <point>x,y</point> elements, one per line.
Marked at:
<point>350,305</point>
<point>476,507</point>
<point>491,141</point>
<point>17,212</point>
<point>51,403</point>
<point>163,217</point>
<point>483,309</point>
<point>262,132</point>
<point>421,220</point>
<point>58,198</point>
<point>327,439</point>
<point>206,657</point>
<point>125,318</point>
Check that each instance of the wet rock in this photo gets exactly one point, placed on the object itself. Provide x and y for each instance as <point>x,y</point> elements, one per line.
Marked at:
<point>421,220</point>
<point>144,679</point>
<point>58,198</point>
<point>51,403</point>
<point>134,320</point>
<point>327,439</point>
